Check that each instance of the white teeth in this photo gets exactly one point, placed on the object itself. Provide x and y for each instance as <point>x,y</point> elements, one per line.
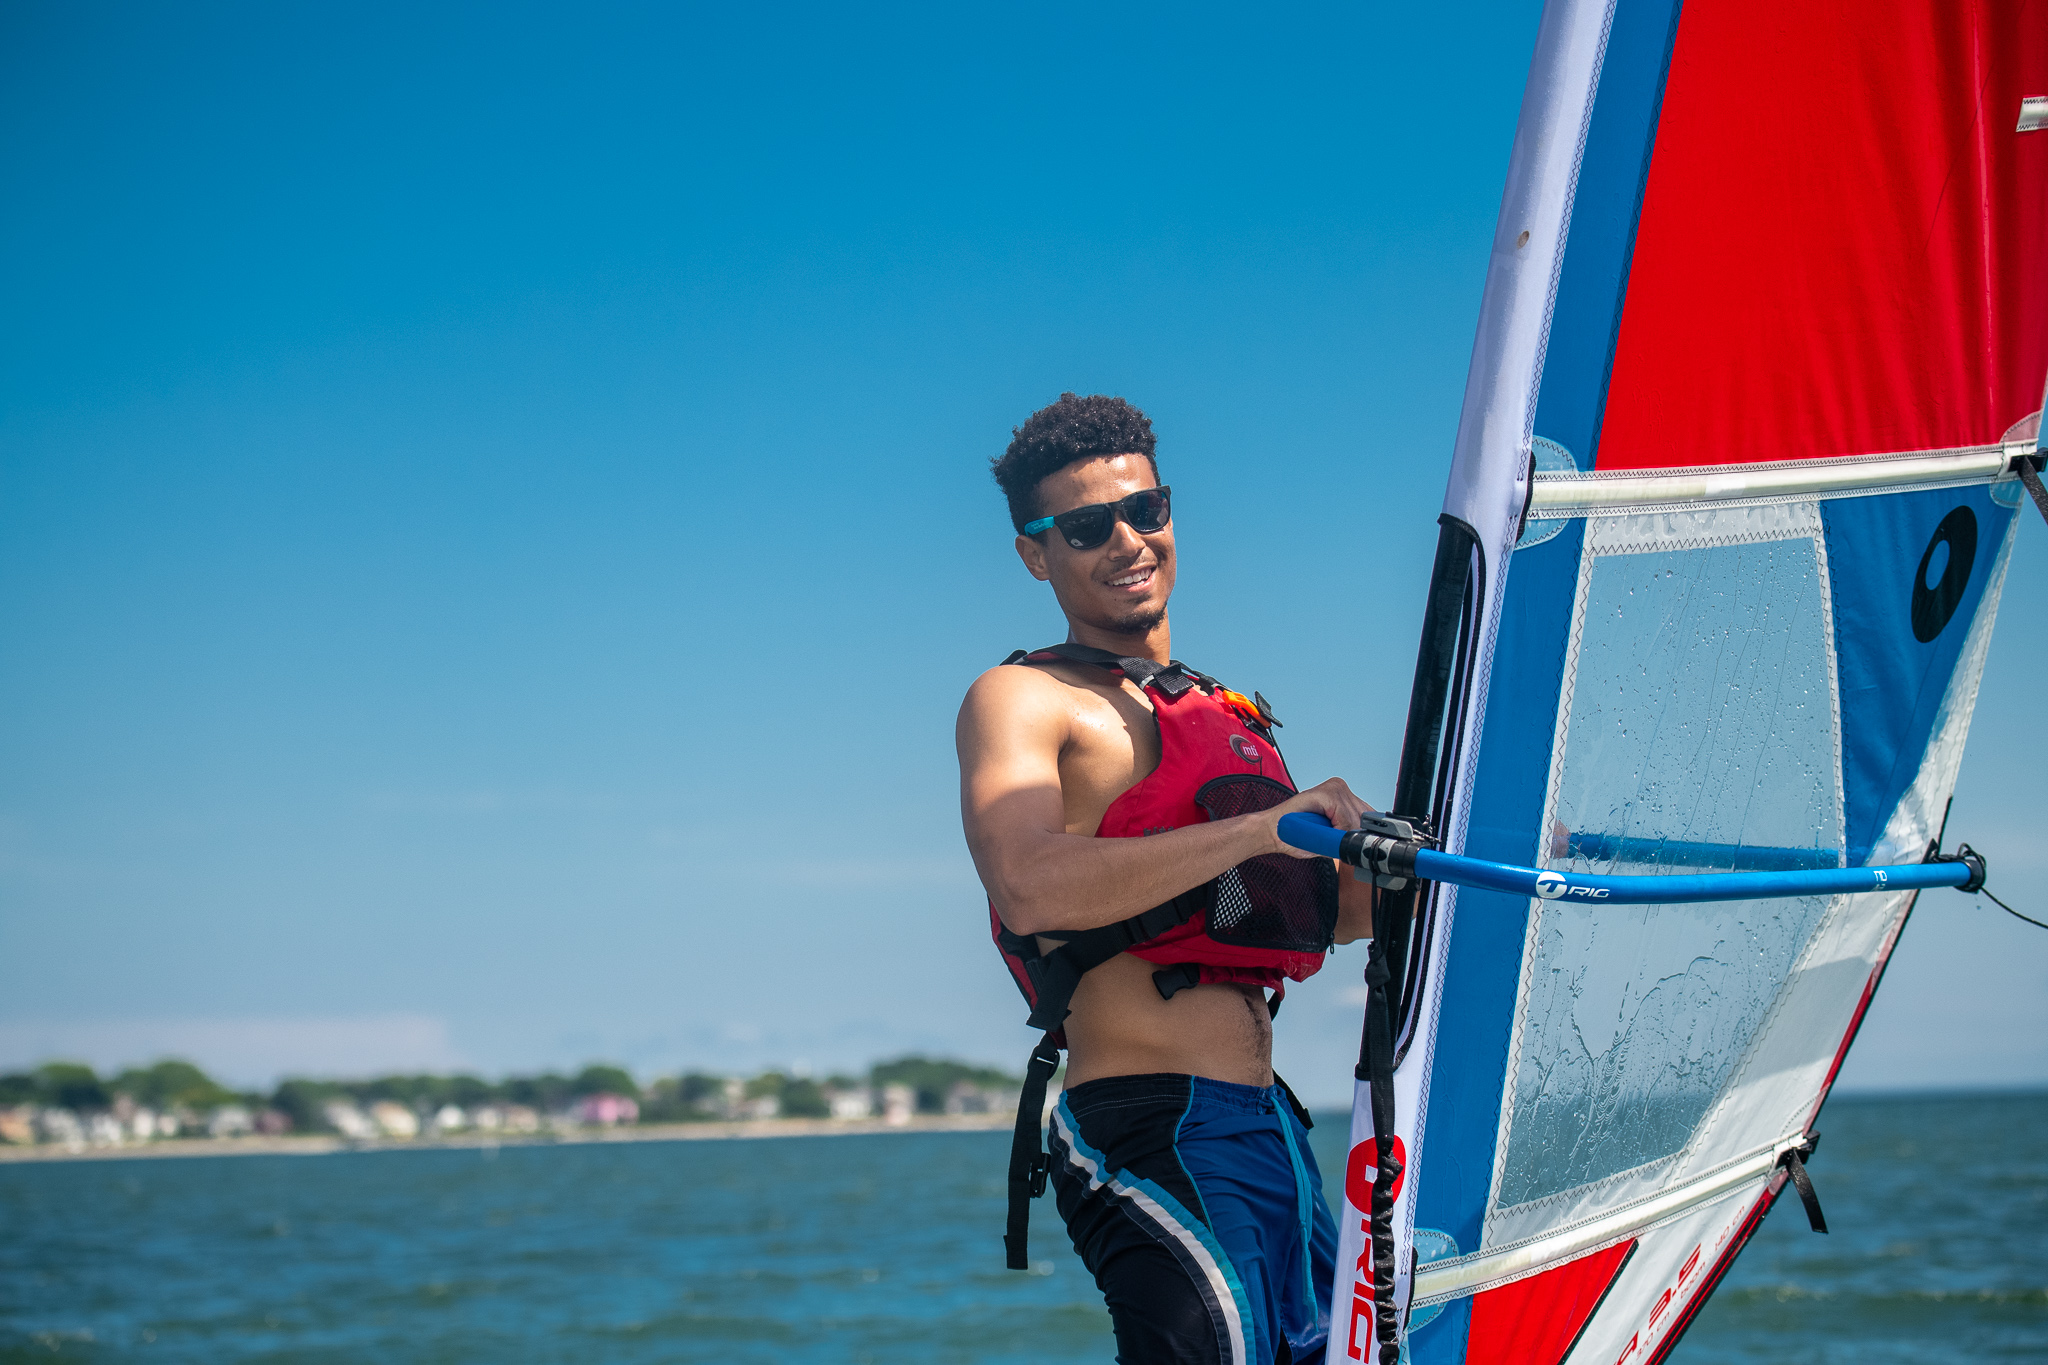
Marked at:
<point>1129,579</point>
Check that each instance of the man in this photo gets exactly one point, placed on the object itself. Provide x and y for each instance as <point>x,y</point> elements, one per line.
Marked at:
<point>1122,813</point>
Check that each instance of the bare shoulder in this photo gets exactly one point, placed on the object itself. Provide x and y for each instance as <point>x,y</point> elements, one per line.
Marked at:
<point>1012,728</point>
<point>1011,698</point>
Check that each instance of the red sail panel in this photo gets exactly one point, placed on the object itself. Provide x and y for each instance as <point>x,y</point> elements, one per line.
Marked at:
<point>1843,242</point>
<point>1535,1321</point>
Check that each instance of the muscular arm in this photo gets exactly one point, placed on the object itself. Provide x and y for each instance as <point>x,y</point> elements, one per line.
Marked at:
<point>1043,876</point>
<point>1356,901</point>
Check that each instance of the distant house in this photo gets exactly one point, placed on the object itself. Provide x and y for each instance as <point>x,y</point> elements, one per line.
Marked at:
<point>857,1103</point>
<point>230,1120</point>
<point>18,1125</point>
<point>59,1125</point>
<point>605,1110</point>
<point>966,1097</point>
<point>394,1120</point>
<point>344,1118</point>
<point>899,1102</point>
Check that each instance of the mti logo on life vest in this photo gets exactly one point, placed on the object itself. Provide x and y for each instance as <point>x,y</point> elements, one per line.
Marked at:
<point>1246,750</point>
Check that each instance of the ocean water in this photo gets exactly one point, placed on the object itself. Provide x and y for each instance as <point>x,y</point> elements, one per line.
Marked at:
<point>881,1248</point>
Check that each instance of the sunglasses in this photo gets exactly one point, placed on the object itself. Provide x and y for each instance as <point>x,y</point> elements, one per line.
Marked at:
<point>1147,510</point>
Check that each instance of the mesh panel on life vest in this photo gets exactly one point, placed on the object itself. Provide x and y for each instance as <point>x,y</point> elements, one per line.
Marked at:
<point>1271,901</point>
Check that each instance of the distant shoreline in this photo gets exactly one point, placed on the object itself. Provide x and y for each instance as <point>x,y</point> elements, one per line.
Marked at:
<point>323,1144</point>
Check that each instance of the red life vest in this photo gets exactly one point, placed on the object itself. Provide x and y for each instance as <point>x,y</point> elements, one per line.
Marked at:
<point>1265,922</point>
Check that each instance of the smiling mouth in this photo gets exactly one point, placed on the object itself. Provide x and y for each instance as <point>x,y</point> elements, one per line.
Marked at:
<point>1137,579</point>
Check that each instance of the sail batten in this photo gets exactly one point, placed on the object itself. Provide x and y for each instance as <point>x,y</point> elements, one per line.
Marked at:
<point>1663,489</point>
<point>1441,1281</point>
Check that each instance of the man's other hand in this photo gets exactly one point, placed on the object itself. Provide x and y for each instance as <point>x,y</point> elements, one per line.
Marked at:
<point>1333,800</point>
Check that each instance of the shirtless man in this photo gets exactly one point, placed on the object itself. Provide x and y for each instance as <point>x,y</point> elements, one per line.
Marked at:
<point>1180,1164</point>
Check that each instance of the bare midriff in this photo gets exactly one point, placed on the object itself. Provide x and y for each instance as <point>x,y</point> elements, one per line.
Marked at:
<point>1122,1026</point>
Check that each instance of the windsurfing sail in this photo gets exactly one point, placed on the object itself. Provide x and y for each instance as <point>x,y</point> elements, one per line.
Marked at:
<point>1763,342</point>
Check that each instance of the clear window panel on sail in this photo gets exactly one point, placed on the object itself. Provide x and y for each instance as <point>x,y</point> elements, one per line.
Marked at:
<point>1699,732</point>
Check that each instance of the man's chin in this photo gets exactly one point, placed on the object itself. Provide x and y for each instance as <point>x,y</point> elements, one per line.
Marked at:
<point>1140,621</point>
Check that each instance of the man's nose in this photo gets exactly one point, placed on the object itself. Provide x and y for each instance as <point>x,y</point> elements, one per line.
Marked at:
<point>1123,540</point>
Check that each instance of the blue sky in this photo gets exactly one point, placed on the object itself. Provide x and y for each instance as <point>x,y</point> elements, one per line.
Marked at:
<point>494,523</point>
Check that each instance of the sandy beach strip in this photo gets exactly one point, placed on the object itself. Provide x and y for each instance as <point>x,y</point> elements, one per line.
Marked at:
<point>321,1144</point>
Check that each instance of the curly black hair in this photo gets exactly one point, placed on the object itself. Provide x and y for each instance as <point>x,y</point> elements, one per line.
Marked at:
<point>1062,432</point>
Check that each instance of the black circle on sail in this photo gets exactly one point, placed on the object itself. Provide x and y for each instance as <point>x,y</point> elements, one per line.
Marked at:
<point>1932,606</point>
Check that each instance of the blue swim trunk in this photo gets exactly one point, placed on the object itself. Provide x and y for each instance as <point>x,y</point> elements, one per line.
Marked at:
<point>1197,1207</point>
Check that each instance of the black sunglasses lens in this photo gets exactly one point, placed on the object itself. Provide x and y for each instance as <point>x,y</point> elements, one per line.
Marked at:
<point>1147,511</point>
<point>1086,527</point>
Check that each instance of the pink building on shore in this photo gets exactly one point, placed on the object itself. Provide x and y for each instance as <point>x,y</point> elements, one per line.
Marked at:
<point>606,1110</point>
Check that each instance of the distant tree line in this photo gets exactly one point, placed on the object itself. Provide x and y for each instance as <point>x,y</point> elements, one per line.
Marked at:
<point>305,1102</point>
<point>692,1096</point>
<point>75,1086</point>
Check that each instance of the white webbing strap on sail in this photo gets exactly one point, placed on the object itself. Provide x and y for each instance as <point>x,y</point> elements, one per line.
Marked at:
<point>1567,494</point>
<point>1441,1281</point>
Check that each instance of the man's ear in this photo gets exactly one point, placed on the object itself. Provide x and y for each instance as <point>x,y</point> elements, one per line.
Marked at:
<point>1033,554</point>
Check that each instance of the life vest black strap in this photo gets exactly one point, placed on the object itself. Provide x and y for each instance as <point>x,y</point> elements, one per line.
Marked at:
<point>1171,678</point>
<point>1171,981</point>
<point>1029,1163</point>
<point>1060,971</point>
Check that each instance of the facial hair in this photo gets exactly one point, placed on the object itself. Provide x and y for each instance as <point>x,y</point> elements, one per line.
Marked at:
<point>1138,622</point>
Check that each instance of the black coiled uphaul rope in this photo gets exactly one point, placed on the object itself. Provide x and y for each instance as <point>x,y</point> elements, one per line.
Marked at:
<point>1376,1069</point>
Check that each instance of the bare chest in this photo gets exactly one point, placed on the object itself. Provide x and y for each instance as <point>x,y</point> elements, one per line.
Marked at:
<point>1112,745</point>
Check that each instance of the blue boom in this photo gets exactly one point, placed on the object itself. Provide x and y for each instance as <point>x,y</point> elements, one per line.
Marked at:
<point>1314,834</point>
